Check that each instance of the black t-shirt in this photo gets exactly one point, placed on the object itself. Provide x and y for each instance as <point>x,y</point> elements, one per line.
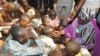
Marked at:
<point>33,3</point>
<point>10,0</point>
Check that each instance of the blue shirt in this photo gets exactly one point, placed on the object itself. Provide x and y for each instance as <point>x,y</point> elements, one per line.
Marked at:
<point>24,50</point>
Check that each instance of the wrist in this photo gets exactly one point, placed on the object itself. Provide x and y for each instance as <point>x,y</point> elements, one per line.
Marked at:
<point>76,10</point>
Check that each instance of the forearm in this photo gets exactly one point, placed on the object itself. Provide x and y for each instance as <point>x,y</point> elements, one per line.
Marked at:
<point>6,24</point>
<point>80,4</point>
<point>21,10</point>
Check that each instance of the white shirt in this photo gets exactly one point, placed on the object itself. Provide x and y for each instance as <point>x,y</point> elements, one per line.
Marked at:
<point>18,49</point>
<point>49,44</point>
<point>92,4</point>
<point>36,22</point>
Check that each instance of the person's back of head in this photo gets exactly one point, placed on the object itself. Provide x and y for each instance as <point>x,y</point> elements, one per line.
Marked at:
<point>58,52</point>
<point>72,48</point>
<point>18,33</point>
<point>49,31</point>
<point>46,30</point>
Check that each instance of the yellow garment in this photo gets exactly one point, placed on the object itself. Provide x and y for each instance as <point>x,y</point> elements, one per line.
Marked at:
<point>83,52</point>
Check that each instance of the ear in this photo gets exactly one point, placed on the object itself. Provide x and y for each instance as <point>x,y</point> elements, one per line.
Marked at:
<point>20,39</point>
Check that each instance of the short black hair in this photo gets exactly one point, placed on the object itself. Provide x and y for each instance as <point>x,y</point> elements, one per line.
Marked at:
<point>17,32</point>
<point>24,16</point>
<point>52,13</point>
<point>45,30</point>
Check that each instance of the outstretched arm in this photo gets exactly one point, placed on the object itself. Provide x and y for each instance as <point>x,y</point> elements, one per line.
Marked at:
<point>77,8</point>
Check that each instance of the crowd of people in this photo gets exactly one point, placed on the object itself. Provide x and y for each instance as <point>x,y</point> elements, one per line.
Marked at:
<point>49,27</point>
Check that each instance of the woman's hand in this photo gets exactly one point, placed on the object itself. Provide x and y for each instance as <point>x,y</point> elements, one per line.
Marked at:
<point>73,14</point>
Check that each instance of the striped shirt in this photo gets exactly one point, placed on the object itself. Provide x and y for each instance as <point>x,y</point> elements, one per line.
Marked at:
<point>86,34</point>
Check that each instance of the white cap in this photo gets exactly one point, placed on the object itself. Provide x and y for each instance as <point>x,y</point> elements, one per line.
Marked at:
<point>31,12</point>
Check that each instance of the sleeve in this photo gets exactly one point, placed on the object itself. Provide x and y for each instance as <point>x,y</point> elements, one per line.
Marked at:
<point>18,49</point>
<point>87,35</point>
<point>49,42</point>
<point>35,33</point>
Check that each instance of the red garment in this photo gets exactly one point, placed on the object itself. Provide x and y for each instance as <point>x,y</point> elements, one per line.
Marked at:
<point>1,3</point>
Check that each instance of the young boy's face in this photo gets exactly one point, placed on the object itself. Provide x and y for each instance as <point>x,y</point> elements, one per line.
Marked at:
<point>47,22</point>
<point>24,39</point>
<point>25,22</point>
